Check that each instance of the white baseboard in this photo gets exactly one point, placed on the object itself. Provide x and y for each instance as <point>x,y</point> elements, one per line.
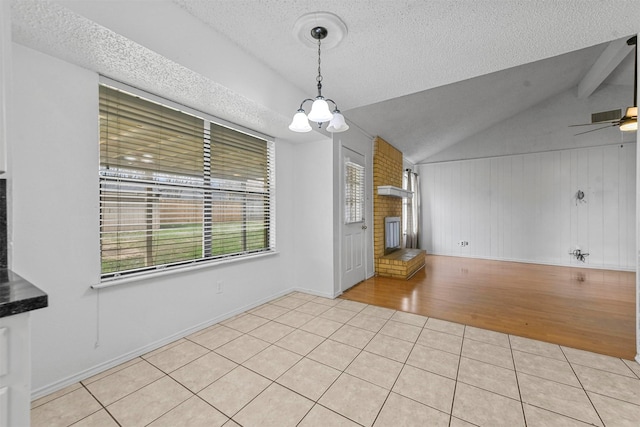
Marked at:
<point>313,292</point>
<point>528,261</point>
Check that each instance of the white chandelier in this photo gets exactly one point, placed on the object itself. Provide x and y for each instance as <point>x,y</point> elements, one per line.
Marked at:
<point>320,112</point>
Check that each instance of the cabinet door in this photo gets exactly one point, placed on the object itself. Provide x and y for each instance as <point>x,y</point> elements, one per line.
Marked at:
<point>4,407</point>
<point>4,351</point>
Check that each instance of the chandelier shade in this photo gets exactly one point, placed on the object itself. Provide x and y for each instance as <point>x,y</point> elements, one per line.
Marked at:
<point>300,123</point>
<point>320,111</point>
<point>337,124</point>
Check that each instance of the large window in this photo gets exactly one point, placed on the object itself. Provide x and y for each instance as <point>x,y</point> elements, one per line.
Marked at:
<point>177,189</point>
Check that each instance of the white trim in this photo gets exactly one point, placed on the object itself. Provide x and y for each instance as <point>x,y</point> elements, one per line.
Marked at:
<point>135,277</point>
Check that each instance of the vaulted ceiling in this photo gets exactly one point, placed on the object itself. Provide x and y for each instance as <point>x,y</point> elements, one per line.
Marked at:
<point>427,122</point>
<point>422,74</point>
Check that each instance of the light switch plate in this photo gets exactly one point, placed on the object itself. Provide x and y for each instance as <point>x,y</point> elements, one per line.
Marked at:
<point>4,351</point>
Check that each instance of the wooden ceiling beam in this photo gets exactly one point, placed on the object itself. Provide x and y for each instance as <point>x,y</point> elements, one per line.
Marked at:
<point>603,67</point>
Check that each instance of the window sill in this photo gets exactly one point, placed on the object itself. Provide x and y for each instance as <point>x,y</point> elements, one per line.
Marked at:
<point>165,272</point>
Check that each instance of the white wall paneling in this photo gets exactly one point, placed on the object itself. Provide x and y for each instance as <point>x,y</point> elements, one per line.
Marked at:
<point>524,207</point>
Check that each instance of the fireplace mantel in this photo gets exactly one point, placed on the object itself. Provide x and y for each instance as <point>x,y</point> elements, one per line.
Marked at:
<point>391,191</point>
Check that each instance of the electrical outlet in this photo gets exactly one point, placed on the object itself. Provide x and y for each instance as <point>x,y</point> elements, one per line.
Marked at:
<point>219,288</point>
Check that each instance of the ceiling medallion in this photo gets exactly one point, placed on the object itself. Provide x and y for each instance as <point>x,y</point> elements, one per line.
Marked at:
<point>336,29</point>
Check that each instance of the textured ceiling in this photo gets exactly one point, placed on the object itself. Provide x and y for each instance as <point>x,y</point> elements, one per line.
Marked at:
<point>399,47</point>
<point>58,31</point>
<point>393,49</point>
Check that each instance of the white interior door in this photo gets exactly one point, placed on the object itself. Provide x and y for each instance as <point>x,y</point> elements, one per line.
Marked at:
<point>354,225</point>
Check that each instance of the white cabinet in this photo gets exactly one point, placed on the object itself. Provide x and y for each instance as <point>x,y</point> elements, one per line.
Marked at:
<point>15,393</point>
<point>18,298</point>
<point>4,407</point>
<point>4,351</point>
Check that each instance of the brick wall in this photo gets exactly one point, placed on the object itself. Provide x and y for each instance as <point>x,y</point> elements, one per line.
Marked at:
<point>401,267</point>
<point>387,170</point>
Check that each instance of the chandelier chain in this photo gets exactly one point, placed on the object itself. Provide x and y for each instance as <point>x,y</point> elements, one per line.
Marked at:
<point>319,78</point>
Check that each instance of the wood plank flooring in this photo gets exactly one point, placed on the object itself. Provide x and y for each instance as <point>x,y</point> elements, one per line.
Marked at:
<point>582,308</point>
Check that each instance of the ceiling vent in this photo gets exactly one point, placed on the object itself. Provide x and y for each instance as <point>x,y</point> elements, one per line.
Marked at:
<point>605,116</point>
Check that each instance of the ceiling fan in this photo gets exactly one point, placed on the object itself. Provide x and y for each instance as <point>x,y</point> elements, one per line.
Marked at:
<point>628,122</point>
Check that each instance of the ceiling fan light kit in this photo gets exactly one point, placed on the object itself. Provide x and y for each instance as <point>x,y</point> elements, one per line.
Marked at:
<point>629,122</point>
<point>320,111</point>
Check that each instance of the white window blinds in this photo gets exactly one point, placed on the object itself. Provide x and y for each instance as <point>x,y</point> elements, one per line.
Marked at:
<point>176,189</point>
<point>240,182</point>
<point>353,192</point>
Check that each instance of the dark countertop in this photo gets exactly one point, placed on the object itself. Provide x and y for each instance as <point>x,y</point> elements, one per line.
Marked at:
<point>18,295</point>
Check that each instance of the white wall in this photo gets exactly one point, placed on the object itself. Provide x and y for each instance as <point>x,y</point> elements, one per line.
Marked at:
<point>312,205</point>
<point>5,78</point>
<point>54,214</point>
<point>523,207</point>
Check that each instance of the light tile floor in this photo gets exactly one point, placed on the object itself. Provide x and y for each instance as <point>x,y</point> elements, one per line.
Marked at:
<point>306,361</point>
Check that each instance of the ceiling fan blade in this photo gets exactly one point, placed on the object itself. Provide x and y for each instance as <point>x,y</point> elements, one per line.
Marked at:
<point>593,130</point>
<point>606,116</point>
<point>613,123</point>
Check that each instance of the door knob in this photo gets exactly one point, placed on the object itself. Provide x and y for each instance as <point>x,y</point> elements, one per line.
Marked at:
<point>364,227</point>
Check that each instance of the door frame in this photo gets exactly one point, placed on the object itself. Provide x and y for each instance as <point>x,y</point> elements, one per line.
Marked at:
<point>356,140</point>
<point>347,153</point>
<point>365,149</point>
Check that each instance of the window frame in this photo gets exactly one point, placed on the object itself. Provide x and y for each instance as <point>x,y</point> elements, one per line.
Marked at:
<point>124,276</point>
